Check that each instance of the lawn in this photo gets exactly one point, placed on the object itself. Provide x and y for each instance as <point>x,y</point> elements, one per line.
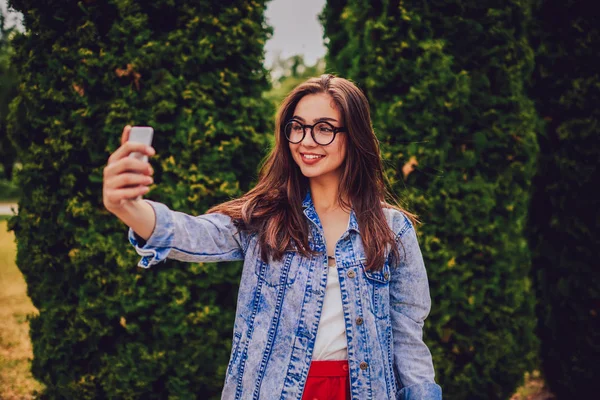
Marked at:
<point>16,381</point>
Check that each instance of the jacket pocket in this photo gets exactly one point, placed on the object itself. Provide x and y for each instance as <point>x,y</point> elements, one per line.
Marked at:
<point>277,273</point>
<point>378,286</point>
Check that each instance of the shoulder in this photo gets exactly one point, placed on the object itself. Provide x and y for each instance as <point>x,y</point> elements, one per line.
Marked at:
<point>398,221</point>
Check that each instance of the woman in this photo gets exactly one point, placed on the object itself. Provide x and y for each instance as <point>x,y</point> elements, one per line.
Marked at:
<point>333,293</point>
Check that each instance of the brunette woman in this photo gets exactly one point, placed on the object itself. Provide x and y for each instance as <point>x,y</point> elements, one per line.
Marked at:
<point>333,293</point>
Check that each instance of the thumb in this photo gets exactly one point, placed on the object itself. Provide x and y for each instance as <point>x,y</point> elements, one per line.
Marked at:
<point>125,135</point>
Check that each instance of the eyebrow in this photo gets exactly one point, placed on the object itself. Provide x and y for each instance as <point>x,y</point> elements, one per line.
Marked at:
<point>316,119</point>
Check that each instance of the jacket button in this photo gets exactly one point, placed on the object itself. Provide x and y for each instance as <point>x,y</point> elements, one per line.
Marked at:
<point>364,365</point>
<point>359,321</point>
<point>351,274</point>
<point>386,276</point>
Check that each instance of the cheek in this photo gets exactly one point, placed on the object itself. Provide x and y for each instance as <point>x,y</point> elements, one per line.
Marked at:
<point>340,151</point>
<point>293,153</point>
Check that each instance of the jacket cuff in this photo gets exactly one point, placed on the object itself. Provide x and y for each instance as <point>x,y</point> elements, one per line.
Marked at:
<point>158,245</point>
<point>421,391</point>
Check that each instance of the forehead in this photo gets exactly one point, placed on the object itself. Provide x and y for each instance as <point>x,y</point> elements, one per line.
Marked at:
<point>315,106</point>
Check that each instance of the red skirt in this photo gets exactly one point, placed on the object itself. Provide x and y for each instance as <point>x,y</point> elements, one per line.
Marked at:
<point>327,380</point>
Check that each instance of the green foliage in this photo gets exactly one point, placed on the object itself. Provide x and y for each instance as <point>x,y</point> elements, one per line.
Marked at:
<point>564,212</point>
<point>192,70</point>
<point>8,88</point>
<point>9,192</point>
<point>289,73</point>
<point>445,82</point>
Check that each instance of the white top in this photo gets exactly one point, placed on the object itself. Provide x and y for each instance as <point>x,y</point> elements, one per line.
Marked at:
<point>331,341</point>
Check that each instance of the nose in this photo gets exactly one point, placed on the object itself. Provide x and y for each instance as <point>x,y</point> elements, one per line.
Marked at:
<point>308,140</point>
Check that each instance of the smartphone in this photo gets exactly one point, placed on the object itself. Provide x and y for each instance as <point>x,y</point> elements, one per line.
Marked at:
<point>141,134</point>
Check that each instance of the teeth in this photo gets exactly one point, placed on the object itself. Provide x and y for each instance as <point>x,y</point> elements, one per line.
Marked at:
<point>311,156</point>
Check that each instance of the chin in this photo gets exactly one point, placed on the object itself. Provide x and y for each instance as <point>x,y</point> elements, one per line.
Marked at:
<point>311,174</point>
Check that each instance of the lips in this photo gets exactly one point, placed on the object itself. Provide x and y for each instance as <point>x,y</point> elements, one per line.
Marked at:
<point>311,158</point>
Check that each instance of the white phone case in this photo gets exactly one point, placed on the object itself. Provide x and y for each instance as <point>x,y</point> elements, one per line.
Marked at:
<point>141,134</point>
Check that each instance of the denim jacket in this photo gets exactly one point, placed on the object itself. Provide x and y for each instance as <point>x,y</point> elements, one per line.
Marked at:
<point>279,305</point>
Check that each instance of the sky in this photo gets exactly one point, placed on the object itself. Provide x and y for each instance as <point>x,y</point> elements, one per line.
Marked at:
<point>296,29</point>
<point>12,17</point>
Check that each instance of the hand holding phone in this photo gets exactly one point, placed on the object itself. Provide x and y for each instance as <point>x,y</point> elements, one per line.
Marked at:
<point>127,177</point>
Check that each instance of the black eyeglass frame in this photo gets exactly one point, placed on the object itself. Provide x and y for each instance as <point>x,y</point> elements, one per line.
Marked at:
<point>334,129</point>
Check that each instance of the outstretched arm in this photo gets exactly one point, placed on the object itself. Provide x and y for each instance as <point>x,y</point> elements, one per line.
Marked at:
<point>157,232</point>
<point>179,236</point>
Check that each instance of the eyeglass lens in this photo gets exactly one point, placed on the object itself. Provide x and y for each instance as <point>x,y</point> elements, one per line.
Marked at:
<point>322,132</point>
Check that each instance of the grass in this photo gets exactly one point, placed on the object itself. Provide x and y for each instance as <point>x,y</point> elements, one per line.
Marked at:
<point>16,381</point>
<point>534,388</point>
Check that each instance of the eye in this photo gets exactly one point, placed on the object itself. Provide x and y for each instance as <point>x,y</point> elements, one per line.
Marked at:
<point>324,128</point>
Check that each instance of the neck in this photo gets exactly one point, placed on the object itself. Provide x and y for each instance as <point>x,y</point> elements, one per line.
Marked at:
<point>325,193</point>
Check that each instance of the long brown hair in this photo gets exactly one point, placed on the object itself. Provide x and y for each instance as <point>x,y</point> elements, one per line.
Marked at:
<point>273,208</point>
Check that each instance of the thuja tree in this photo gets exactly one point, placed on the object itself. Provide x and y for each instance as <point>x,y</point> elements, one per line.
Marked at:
<point>564,212</point>
<point>192,70</point>
<point>445,80</point>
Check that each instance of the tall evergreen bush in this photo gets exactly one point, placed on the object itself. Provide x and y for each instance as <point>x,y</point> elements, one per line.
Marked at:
<point>446,84</point>
<point>565,212</point>
<point>192,70</point>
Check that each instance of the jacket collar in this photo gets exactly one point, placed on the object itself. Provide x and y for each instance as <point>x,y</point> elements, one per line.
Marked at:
<point>310,212</point>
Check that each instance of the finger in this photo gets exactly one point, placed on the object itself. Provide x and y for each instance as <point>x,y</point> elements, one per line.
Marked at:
<point>116,196</point>
<point>128,164</point>
<point>128,148</point>
<point>128,180</point>
<point>125,134</point>
<point>132,164</point>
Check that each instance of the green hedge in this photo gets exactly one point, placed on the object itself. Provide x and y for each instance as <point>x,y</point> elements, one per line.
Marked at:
<point>192,70</point>
<point>446,84</point>
<point>565,212</point>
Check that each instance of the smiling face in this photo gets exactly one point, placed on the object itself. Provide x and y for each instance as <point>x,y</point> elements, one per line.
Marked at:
<point>316,161</point>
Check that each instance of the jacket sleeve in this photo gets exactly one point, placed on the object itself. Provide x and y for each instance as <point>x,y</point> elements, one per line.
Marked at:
<point>410,303</point>
<point>179,236</point>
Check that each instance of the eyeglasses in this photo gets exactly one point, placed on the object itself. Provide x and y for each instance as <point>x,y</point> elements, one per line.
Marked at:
<point>323,133</point>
